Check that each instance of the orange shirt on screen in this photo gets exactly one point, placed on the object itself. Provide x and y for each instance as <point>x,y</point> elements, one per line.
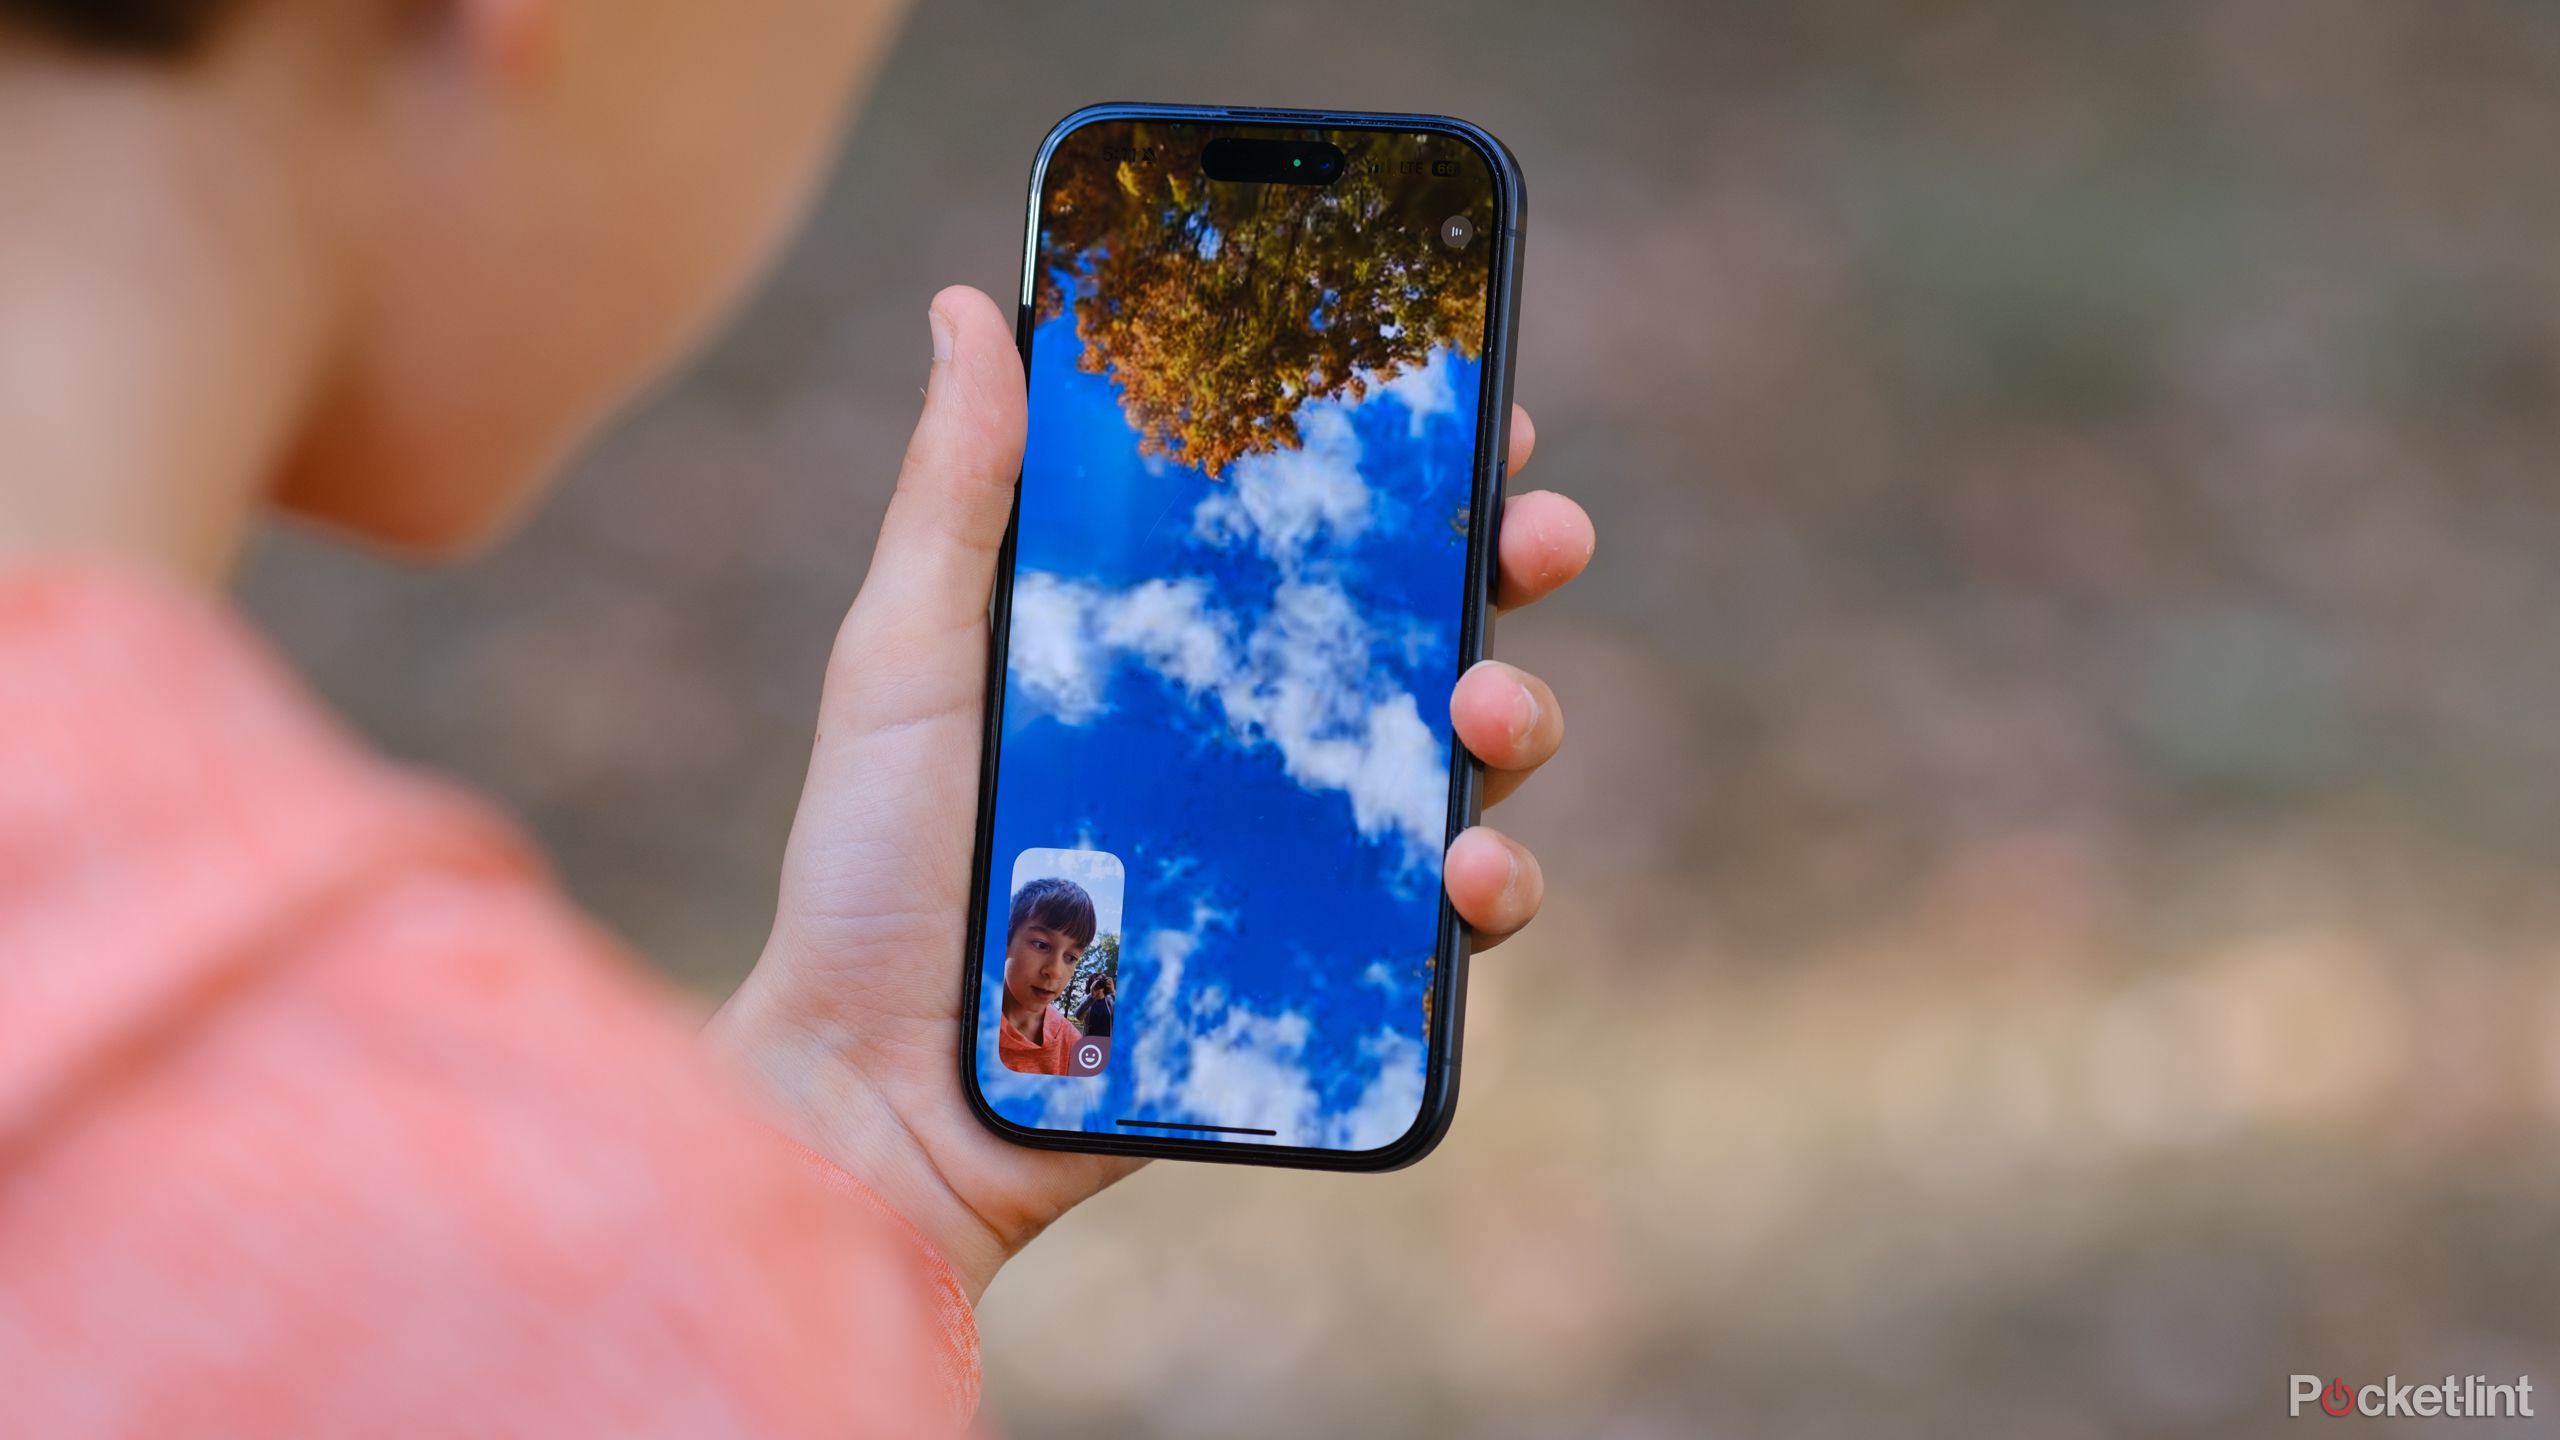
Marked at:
<point>1054,1055</point>
<point>323,1114</point>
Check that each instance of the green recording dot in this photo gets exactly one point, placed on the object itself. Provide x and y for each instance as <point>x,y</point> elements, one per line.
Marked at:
<point>1294,162</point>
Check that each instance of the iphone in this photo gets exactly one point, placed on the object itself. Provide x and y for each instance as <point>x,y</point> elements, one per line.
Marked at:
<point>1269,355</point>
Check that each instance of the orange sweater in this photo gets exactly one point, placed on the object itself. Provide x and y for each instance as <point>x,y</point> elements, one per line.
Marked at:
<point>322,1113</point>
<point>1054,1055</point>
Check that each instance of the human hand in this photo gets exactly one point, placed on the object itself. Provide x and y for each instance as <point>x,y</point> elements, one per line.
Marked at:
<point>852,1015</point>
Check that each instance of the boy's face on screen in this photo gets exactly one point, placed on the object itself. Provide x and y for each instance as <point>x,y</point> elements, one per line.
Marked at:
<point>1038,964</point>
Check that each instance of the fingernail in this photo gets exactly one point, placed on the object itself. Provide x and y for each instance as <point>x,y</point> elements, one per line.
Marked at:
<point>943,339</point>
<point>1524,715</point>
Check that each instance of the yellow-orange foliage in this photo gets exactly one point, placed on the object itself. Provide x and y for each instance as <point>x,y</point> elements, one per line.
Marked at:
<point>1218,309</point>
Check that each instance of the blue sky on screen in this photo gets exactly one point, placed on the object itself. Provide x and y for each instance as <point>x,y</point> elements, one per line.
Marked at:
<point>1240,688</point>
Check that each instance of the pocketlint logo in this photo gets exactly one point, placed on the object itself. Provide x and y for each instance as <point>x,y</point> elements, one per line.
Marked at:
<point>2456,1397</point>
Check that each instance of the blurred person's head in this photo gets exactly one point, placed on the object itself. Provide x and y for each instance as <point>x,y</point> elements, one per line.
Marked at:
<point>1044,940</point>
<point>400,256</point>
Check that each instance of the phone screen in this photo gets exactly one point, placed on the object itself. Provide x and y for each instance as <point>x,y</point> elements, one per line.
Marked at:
<point>1222,774</point>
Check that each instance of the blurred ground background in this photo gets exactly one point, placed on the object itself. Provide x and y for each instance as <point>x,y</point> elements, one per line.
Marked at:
<point>2052,923</point>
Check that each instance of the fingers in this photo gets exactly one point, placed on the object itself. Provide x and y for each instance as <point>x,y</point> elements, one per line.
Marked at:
<point>1509,719</point>
<point>1494,883</point>
<point>1546,541</point>
<point>936,559</point>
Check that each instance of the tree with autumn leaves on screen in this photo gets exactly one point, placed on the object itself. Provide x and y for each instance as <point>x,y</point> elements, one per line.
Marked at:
<point>1217,309</point>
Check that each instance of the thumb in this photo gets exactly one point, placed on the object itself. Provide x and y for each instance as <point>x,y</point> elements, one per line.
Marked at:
<point>914,644</point>
<point>936,559</point>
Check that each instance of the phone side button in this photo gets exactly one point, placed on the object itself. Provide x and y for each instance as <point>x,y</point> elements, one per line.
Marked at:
<point>1457,1010</point>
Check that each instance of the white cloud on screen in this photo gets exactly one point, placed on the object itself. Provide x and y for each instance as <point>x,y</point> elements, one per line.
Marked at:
<point>1301,682</point>
<point>1069,1102</point>
<point>1250,1070</point>
<point>1300,679</point>
<point>1170,625</point>
<point>1155,1060</point>
<point>1202,1058</point>
<point>1281,500</point>
<point>1426,390</point>
<point>1067,634</point>
<point>1387,1106</point>
<point>1049,652</point>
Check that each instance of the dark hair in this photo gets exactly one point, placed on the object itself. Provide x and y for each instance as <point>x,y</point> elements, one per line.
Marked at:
<point>164,29</point>
<point>1053,904</point>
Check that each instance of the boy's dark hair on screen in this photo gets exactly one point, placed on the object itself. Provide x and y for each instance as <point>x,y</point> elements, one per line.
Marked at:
<point>1053,904</point>
<point>160,29</point>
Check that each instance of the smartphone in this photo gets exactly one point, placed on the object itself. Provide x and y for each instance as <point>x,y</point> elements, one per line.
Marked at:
<point>1269,355</point>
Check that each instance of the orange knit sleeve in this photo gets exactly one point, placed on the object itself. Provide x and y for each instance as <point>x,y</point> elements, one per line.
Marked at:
<point>322,1114</point>
<point>433,1160</point>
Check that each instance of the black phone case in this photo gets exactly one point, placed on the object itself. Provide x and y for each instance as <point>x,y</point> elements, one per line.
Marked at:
<point>1449,969</point>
